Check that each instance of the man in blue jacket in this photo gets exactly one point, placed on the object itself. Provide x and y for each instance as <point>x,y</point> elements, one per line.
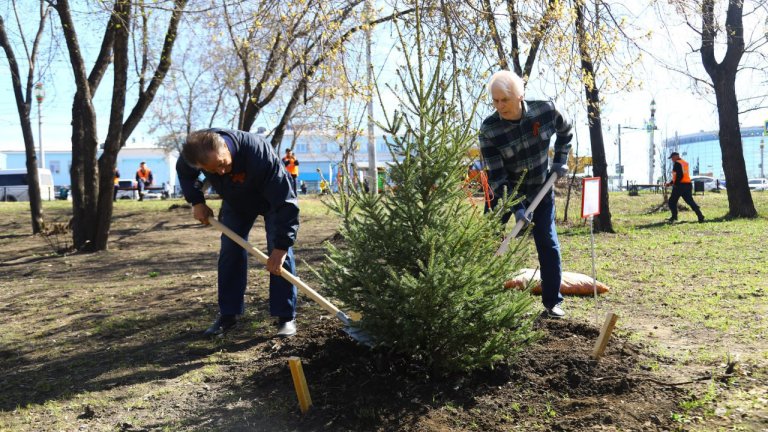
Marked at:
<point>244,169</point>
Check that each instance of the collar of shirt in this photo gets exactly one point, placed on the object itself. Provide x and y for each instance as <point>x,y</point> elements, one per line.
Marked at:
<point>230,145</point>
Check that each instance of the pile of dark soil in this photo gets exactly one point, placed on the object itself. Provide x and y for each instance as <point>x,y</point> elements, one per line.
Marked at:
<point>554,385</point>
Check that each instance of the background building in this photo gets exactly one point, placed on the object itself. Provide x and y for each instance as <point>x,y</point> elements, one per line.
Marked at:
<point>162,163</point>
<point>320,157</point>
<point>702,151</point>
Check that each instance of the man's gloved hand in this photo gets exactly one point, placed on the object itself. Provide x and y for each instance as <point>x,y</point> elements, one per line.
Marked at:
<point>520,215</point>
<point>560,169</point>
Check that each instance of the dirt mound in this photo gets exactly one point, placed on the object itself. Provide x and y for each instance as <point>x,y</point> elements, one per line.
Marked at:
<point>555,385</point>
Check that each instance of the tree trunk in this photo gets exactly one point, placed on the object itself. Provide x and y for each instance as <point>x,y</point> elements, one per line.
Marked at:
<point>114,141</point>
<point>723,77</point>
<point>740,203</point>
<point>599,164</point>
<point>24,106</point>
<point>82,174</point>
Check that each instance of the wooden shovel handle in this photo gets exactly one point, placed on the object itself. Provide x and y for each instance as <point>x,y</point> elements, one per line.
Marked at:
<point>328,306</point>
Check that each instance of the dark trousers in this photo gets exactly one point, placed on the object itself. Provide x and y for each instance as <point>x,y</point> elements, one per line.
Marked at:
<point>684,191</point>
<point>293,183</point>
<point>548,249</point>
<point>233,268</point>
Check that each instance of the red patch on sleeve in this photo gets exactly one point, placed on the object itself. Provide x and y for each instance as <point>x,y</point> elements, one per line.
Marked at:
<point>536,127</point>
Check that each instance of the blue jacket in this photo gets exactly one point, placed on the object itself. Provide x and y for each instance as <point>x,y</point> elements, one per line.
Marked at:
<point>257,185</point>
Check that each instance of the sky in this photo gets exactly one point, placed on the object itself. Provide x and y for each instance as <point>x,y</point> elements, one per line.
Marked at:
<point>678,108</point>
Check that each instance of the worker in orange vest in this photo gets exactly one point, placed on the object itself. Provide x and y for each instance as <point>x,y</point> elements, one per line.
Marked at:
<point>681,187</point>
<point>292,166</point>
<point>143,179</point>
<point>117,184</point>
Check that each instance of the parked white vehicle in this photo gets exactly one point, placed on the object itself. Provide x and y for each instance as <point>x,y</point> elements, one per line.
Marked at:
<point>710,183</point>
<point>14,185</point>
<point>758,184</point>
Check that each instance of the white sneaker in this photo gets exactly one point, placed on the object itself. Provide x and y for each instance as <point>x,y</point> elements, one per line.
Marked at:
<point>286,328</point>
<point>555,312</point>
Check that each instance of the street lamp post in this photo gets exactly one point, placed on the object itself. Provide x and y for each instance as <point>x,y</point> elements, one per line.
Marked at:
<point>620,167</point>
<point>651,147</point>
<point>40,95</point>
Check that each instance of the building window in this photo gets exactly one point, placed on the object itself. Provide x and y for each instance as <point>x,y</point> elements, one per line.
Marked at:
<point>301,147</point>
<point>54,166</point>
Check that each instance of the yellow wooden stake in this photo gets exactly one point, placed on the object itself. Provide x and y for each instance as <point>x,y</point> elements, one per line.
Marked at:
<point>605,334</point>
<point>300,383</point>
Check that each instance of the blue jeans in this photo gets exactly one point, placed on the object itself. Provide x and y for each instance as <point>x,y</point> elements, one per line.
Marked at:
<point>548,248</point>
<point>233,268</point>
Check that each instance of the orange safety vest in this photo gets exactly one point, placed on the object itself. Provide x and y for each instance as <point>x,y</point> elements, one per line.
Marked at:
<point>291,166</point>
<point>143,174</point>
<point>686,176</point>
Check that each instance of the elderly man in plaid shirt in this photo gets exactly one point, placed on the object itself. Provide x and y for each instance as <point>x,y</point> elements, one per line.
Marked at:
<point>514,142</point>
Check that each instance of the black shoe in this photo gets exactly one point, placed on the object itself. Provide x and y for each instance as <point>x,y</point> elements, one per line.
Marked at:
<point>672,220</point>
<point>221,325</point>
<point>701,218</point>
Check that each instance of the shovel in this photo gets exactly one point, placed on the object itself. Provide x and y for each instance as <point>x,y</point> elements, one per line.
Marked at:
<point>528,211</point>
<point>355,333</point>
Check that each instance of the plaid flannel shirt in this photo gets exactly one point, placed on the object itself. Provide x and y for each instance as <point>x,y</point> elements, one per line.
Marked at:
<point>513,149</point>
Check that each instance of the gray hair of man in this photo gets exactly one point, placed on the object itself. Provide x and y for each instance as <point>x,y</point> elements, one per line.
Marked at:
<point>199,147</point>
<point>507,81</point>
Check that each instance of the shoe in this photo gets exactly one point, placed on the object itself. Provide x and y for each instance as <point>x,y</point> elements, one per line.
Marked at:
<point>221,325</point>
<point>672,220</point>
<point>701,218</point>
<point>286,327</point>
<point>555,312</point>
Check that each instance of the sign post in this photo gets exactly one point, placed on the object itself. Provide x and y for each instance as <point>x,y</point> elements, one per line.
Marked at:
<point>590,206</point>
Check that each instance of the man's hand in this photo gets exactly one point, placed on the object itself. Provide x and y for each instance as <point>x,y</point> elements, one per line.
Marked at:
<point>276,260</point>
<point>202,212</point>
<point>520,215</point>
<point>560,169</point>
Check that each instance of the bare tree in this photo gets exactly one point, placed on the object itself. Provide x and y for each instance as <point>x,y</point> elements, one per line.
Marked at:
<point>721,25</point>
<point>195,93</point>
<point>592,93</point>
<point>723,75</point>
<point>92,179</point>
<point>23,97</point>
<point>281,47</point>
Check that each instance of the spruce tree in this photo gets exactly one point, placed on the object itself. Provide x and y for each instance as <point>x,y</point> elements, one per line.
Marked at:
<point>418,260</point>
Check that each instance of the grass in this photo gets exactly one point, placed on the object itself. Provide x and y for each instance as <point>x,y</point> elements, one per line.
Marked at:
<point>692,292</point>
<point>700,278</point>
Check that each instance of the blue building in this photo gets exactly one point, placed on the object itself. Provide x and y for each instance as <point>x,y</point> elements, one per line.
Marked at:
<point>162,163</point>
<point>320,157</point>
<point>702,151</point>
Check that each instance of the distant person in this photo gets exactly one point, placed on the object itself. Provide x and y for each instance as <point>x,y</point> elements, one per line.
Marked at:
<point>292,166</point>
<point>117,184</point>
<point>514,142</point>
<point>143,179</point>
<point>324,187</point>
<point>166,190</point>
<point>681,187</point>
<point>244,169</point>
<point>303,187</point>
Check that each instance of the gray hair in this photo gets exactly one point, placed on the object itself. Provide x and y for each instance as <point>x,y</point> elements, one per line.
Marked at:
<point>200,145</point>
<point>508,81</point>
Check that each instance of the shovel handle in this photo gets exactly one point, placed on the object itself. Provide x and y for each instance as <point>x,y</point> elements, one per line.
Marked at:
<point>519,225</point>
<point>304,288</point>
